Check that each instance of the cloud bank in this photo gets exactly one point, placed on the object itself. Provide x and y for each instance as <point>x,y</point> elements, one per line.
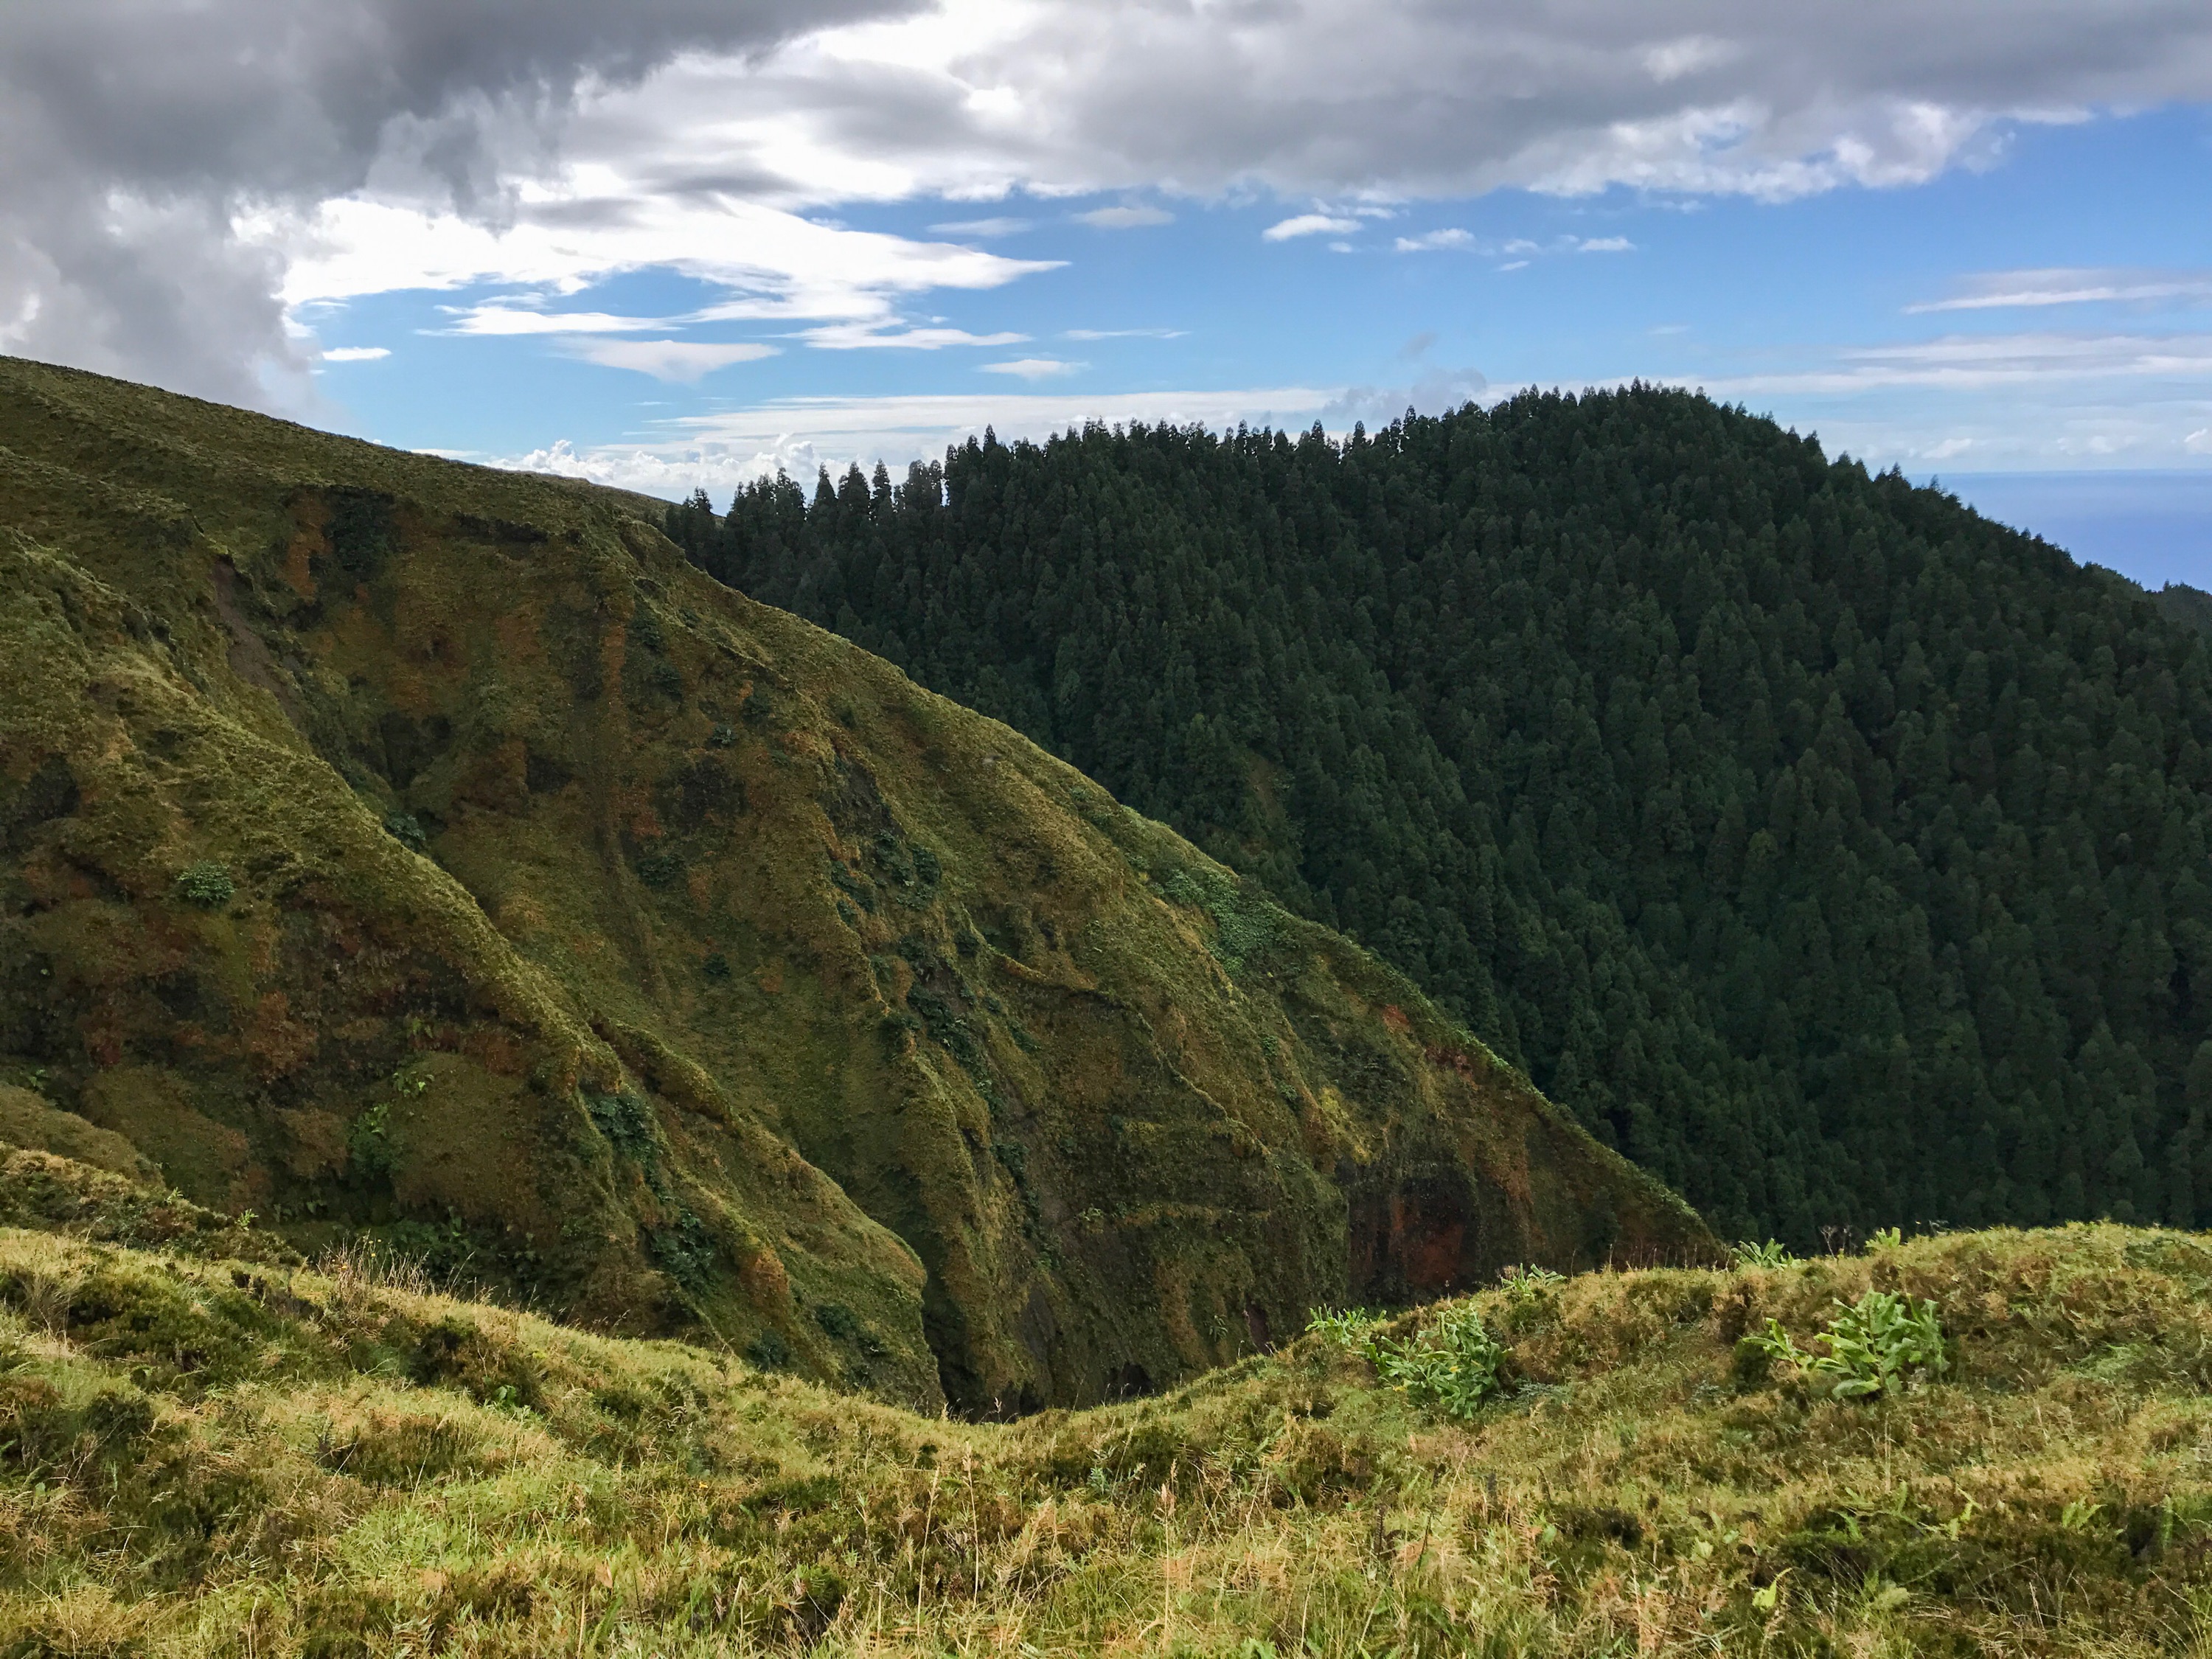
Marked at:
<point>182,173</point>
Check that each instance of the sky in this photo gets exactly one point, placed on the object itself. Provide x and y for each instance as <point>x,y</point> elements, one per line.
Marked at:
<point>675,244</point>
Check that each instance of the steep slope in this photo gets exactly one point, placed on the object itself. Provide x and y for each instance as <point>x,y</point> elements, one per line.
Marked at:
<point>394,843</point>
<point>1834,852</point>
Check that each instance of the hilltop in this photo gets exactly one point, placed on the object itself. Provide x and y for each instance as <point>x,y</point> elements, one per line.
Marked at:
<point>1835,853</point>
<point>201,1455</point>
<point>403,850</point>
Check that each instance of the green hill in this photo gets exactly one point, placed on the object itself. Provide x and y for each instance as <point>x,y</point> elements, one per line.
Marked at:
<point>205,1455</point>
<point>1837,853</point>
<point>395,847</point>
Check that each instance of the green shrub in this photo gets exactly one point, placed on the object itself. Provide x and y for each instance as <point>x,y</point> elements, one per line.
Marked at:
<point>660,867</point>
<point>1882,1344</point>
<point>368,1142</point>
<point>407,829</point>
<point>1450,1369</point>
<point>1525,1287</point>
<point>684,1250</point>
<point>207,884</point>
<point>1769,1254</point>
<point>625,1121</point>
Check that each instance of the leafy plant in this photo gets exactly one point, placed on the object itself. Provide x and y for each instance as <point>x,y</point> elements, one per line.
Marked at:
<point>368,1142</point>
<point>1769,1254</point>
<point>407,829</point>
<point>207,884</point>
<point>1882,1344</point>
<point>1525,1287</point>
<point>1451,1369</point>
<point>625,1121</point>
<point>1885,1238</point>
<point>1346,1326</point>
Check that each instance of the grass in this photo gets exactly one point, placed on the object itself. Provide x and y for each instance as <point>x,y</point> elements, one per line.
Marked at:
<point>205,1456</point>
<point>398,848</point>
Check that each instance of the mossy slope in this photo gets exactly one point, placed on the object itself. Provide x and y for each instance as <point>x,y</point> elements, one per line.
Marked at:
<point>390,842</point>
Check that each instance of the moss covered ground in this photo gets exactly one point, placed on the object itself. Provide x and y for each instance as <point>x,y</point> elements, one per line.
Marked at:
<point>204,1453</point>
<point>403,851</point>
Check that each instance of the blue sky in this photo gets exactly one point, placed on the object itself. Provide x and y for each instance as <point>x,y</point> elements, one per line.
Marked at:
<point>1975,246</point>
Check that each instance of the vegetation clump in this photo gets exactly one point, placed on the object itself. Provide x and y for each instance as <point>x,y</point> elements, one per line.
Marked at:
<point>1451,1368</point>
<point>1880,1345</point>
<point>207,884</point>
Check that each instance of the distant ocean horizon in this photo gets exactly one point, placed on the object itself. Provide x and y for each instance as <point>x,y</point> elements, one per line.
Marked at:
<point>2154,527</point>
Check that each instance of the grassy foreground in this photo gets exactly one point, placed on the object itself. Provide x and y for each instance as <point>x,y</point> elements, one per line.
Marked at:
<point>200,1455</point>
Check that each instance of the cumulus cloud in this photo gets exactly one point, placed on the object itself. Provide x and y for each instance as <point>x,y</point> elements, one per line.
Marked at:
<point>182,171</point>
<point>138,131</point>
<point>356,353</point>
<point>1405,98</point>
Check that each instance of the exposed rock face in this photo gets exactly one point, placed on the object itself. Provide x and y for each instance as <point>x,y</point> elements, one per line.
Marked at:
<point>388,843</point>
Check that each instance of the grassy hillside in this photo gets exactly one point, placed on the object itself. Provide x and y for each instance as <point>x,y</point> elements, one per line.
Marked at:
<point>395,846</point>
<point>203,1455</point>
<point>1837,853</point>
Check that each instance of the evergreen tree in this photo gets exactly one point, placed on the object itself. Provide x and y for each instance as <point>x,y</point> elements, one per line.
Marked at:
<point>1834,852</point>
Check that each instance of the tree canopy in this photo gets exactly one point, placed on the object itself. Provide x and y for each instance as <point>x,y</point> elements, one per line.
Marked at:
<point>1835,853</point>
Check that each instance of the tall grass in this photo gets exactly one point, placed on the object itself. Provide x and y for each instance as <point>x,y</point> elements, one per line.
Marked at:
<point>216,1459</point>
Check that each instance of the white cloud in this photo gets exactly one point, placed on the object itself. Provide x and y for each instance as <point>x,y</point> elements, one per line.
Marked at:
<point>499,320</point>
<point>588,225</point>
<point>1605,245</point>
<point>1127,216</point>
<point>1980,362</point>
<point>665,360</point>
<point>1309,224</point>
<point>1034,368</point>
<point>2199,442</point>
<point>1124,333</point>
<point>2005,289</point>
<point>857,337</point>
<point>1670,60</point>
<point>721,450</point>
<point>986,228</point>
<point>1433,393</point>
<point>180,173</point>
<point>1403,98</point>
<point>356,353</point>
<point>1431,240</point>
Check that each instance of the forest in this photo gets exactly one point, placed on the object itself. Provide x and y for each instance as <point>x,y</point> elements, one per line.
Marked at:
<point>1836,853</point>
